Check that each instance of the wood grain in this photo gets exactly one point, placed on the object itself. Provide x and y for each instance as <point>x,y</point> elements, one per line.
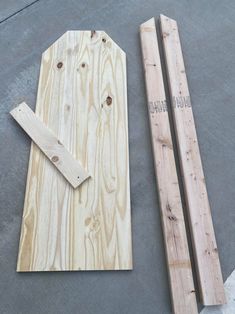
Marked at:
<point>82,98</point>
<point>50,145</point>
<point>175,238</point>
<point>202,231</point>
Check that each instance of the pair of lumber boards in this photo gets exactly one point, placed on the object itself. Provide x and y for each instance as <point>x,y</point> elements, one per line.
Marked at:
<point>50,145</point>
<point>202,232</point>
<point>175,238</point>
<point>82,99</point>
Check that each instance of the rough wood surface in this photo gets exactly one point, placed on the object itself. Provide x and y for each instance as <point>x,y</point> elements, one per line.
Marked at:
<point>202,231</point>
<point>82,99</point>
<point>176,246</point>
<point>50,145</point>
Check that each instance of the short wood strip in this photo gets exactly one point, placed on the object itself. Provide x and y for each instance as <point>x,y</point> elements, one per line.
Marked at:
<point>50,145</point>
<point>202,231</point>
<point>176,246</point>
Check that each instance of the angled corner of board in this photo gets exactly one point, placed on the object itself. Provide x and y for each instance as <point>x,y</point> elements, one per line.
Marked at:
<point>60,38</point>
<point>163,18</point>
<point>17,108</point>
<point>106,36</point>
<point>148,25</point>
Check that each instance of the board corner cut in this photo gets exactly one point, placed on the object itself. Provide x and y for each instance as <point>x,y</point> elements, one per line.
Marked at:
<point>147,24</point>
<point>164,18</point>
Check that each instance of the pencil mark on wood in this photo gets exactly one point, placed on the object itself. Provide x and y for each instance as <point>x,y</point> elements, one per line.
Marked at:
<point>181,264</point>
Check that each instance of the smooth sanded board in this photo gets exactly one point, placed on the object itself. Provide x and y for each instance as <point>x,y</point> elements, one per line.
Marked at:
<point>203,237</point>
<point>82,98</point>
<point>174,231</point>
<point>50,145</point>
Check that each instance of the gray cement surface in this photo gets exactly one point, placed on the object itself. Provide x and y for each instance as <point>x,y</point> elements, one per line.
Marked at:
<point>207,29</point>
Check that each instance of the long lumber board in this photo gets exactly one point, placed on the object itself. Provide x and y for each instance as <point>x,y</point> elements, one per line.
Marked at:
<point>202,231</point>
<point>50,145</point>
<point>175,238</point>
<point>82,98</point>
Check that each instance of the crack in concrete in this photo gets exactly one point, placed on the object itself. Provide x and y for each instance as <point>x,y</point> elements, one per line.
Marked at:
<point>17,12</point>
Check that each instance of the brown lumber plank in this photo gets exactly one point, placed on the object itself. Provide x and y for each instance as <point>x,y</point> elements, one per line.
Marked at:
<point>50,145</point>
<point>175,238</point>
<point>202,231</point>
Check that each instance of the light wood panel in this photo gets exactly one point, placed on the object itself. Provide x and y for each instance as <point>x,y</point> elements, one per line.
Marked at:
<point>50,145</point>
<point>202,231</point>
<point>176,246</point>
<point>82,98</point>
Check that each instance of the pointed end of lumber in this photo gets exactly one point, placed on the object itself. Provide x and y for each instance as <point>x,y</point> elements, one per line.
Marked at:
<point>148,24</point>
<point>164,18</point>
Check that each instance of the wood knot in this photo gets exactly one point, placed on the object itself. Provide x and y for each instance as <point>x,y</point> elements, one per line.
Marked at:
<point>87,221</point>
<point>168,208</point>
<point>59,65</point>
<point>172,218</point>
<point>92,34</point>
<point>54,158</point>
<point>93,224</point>
<point>165,34</point>
<point>83,65</point>
<point>109,100</point>
<point>103,40</point>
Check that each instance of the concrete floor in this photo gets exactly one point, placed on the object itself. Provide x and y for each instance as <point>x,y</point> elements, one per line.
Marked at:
<point>207,31</point>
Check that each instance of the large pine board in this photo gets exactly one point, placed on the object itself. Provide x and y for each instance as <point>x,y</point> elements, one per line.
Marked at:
<point>82,98</point>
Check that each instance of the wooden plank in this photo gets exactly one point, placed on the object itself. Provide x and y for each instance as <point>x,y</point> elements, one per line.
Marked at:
<point>82,98</point>
<point>50,145</point>
<point>202,231</point>
<point>176,246</point>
